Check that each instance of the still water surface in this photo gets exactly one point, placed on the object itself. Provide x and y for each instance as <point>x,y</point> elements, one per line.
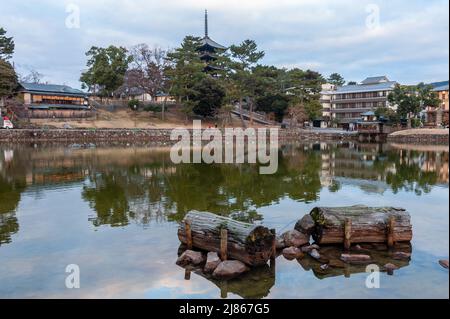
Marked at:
<point>113,211</point>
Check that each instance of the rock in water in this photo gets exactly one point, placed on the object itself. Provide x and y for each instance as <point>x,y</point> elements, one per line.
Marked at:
<point>444,263</point>
<point>295,238</point>
<point>314,254</point>
<point>212,261</point>
<point>307,249</point>
<point>390,268</point>
<point>336,263</point>
<point>355,259</point>
<point>190,257</point>
<point>292,253</point>
<point>305,225</point>
<point>229,269</point>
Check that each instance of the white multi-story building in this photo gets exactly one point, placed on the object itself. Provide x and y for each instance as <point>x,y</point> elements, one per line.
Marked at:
<point>349,102</point>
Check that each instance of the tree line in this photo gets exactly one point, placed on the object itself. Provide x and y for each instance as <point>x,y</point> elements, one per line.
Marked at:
<point>239,80</point>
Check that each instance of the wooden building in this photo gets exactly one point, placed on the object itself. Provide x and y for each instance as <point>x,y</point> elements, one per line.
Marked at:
<point>54,101</point>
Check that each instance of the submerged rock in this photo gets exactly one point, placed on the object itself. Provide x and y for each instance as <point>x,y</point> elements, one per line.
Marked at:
<point>308,248</point>
<point>444,263</point>
<point>190,257</point>
<point>314,254</point>
<point>336,263</point>
<point>295,238</point>
<point>229,269</point>
<point>390,268</point>
<point>212,261</point>
<point>355,258</point>
<point>399,255</point>
<point>324,267</point>
<point>291,253</point>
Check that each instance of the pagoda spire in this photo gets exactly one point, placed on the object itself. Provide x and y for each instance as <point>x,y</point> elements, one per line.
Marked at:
<point>206,23</point>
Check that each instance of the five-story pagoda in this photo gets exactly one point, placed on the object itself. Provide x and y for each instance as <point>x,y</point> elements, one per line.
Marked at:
<point>209,49</point>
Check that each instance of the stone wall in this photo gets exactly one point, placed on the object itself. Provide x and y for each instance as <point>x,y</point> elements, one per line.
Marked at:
<point>437,139</point>
<point>139,135</point>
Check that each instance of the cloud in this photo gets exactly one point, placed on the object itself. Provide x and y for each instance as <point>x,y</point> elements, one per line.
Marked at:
<point>410,45</point>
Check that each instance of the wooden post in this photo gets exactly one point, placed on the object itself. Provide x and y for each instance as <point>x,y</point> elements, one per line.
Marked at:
<point>187,227</point>
<point>274,245</point>
<point>223,244</point>
<point>390,229</point>
<point>347,233</point>
<point>187,274</point>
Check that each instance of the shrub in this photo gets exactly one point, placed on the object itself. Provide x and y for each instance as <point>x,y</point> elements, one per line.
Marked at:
<point>153,107</point>
<point>134,104</point>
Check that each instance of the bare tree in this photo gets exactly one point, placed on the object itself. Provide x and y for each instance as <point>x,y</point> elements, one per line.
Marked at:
<point>147,70</point>
<point>32,77</point>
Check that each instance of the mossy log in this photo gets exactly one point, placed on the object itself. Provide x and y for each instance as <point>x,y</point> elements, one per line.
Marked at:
<point>361,224</point>
<point>251,244</point>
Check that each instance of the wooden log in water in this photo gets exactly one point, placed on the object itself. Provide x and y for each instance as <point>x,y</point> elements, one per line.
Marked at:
<point>368,225</point>
<point>251,244</point>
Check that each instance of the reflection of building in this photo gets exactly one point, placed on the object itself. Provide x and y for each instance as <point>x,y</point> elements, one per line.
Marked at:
<point>350,101</point>
<point>325,100</point>
<point>439,115</point>
<point>54,101</point>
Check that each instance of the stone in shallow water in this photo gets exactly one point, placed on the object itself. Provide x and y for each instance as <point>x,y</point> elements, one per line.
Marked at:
<point>314,254</point>
<point>212,261</point>
<point>390,268</point>
<point>291,253</point>
<point>295,238</point>
<point>336,263</point>
<point>308,248</point>
<point>190,257</point>
<point>229,269</point>
<point>444,263</point>
<point>399,255</point>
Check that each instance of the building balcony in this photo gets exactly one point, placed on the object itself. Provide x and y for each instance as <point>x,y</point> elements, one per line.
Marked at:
<point>352,110</point>
<point>360,100</point>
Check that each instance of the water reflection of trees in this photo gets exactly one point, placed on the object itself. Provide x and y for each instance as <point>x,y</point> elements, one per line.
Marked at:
<point>10,193</point>
<point>125,186</point>
<point>236,190</point>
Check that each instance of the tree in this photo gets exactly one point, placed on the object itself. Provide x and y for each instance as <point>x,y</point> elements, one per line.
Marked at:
<point>336,79</point>
<point>245,58</point>
<point>304,93</point>
<point>147,70</point>
<point>352,83</point>
<point>277,103</point>
<point>106,69</point>
<point>6,45</point>
<point>411,100</point>
<point>32,77</point>
<point>389,114</point>
<point>8,81</point>
<point>208,96</point>
<point>313,109</point>
<point>184,72</point>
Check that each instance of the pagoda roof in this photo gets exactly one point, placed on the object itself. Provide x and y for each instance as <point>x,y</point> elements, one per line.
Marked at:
<point>208,42</point>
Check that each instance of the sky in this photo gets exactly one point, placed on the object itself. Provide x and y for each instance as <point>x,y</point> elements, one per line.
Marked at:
<point>406,40</point>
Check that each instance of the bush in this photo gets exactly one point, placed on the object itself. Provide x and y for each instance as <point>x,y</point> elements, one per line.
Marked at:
<point>153,107</point>
<point>134,104</point>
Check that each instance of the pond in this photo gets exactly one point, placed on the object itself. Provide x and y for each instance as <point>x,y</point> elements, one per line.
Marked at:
<point>114,212</point>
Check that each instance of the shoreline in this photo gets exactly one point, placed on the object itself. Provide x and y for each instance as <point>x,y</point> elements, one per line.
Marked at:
<point>162,136</point>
